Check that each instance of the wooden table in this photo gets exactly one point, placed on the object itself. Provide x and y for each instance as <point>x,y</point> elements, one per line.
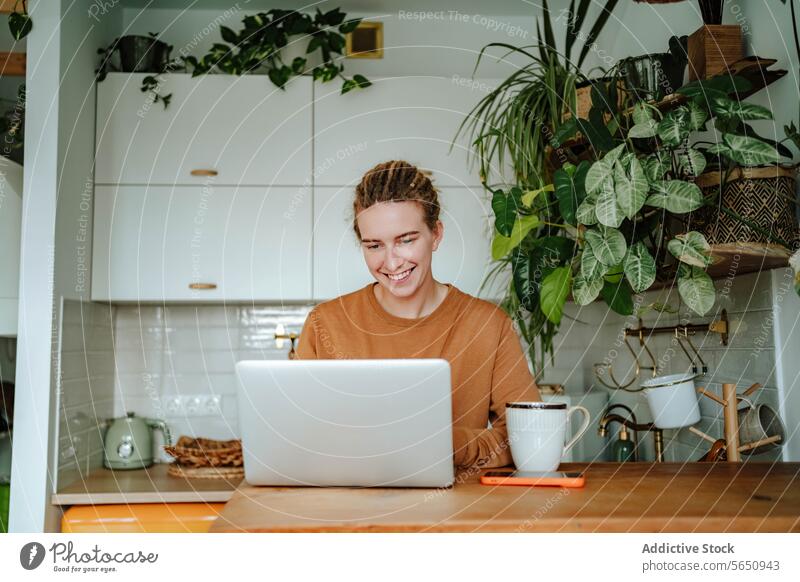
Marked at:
<point>629,497</point>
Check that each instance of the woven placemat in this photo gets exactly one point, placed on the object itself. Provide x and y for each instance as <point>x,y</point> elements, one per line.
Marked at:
<point>206,472</point>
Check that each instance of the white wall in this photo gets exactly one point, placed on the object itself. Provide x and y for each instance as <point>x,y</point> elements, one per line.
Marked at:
<point>58,174</point>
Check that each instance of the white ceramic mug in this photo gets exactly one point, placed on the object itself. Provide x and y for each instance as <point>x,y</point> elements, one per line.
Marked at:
<point>537,432</point>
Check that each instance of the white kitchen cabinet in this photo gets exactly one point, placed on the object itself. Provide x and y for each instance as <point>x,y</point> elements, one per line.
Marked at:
<point>198,244</point>
<point>10,223</point>
<point>242,130</point>
<point>410,118</point>
<point>463,257</point>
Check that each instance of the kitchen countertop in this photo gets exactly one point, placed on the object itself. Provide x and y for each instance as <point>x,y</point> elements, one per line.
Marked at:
<point>151,485</point>
<point>628,497</point>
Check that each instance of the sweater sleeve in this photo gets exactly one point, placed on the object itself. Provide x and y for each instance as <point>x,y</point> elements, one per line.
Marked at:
<point>307,342</point>
<point>511,381</point>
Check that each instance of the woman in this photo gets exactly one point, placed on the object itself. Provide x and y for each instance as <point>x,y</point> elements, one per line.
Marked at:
<point>406,313</point>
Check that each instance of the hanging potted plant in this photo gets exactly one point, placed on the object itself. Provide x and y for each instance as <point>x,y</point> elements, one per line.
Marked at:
<point>751,196</point>
<point>652,77</point>
<point>279,43</point>
<point>138,54</point>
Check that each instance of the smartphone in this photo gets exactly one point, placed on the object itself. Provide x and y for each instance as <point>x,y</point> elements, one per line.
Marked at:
<point>545,479</point>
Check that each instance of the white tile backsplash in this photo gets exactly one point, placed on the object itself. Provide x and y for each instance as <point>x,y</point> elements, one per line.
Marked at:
<point>180,350</point>
<point>85,388</point>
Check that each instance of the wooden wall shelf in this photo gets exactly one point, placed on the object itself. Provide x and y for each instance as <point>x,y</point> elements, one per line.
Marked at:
<point>12,64</point>
<point>742,258</point>
<point>7,6</point>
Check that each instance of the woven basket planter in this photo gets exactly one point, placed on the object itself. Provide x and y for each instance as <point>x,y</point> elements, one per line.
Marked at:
<point>763,196</point>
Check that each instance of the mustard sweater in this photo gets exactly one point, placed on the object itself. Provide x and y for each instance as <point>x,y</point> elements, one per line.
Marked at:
<point>488,367</point>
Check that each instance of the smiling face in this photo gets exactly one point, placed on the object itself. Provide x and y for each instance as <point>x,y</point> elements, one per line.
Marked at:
<point>398,245</point>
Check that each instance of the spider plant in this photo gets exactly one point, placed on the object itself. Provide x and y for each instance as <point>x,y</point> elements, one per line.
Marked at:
<point>513,126</point>
<point>518,119</point>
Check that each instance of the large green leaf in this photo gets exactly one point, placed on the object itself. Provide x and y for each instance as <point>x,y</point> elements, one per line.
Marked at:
<point>720,85</point>
<point>672,130</point>
<point>524,278</point>
<point>618,297</point>
<point>570,190</point>
<point>740,110</point>
<point>691,248</point>
<point>591,268</point>
<point>606,208</point>
<point>692,162</point>
<point>529,267</point>
<point>655,167</point>
<point>585,291</point>
<point>602,170</point>
<point>502,245</point>
<point>585,213</point>
<point>607,244</point>
<point>696,116</point>
<point>641,114</point>
<point>648,128</point>
<point>566,130</point>
<point>676,196</point>
<point>529,196</point>
<point>640,267</point>
<point>20,24</point>
<point>556,250</point>
<point>696,289</point>
<point>631,187</point>
<point>749,151</point>
<point>596,131</point>
<point>555,288</point>
<point>505,207</point>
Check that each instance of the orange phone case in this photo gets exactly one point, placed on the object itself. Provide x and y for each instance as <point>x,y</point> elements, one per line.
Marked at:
<point>544,481</point>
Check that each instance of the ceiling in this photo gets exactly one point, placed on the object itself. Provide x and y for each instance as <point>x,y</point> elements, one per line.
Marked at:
<point>496,7</point>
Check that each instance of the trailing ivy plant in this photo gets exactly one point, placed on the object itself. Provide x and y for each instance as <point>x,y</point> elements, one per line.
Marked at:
<point>258,48</point>
<point>260,42</point>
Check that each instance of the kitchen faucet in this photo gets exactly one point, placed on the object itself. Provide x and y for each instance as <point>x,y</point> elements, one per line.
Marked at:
<point>658,434</point>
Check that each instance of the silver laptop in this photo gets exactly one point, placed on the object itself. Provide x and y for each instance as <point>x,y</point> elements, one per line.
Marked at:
<point>370,423</point>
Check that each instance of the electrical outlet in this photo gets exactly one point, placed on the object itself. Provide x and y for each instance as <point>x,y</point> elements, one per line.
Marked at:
<point>193,405</point>
<point>213,404</point>
<point>173,405</point>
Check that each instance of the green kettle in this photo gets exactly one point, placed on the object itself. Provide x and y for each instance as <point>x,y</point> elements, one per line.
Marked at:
<point>128,442</point>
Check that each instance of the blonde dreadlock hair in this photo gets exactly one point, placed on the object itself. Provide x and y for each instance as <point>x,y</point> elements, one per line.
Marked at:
<point>396,181</point>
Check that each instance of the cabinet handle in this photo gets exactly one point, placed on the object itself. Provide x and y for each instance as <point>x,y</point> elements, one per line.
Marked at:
<point>204,172</point>
<point>203,286</point>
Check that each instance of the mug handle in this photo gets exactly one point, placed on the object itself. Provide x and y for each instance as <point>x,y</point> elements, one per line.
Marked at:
<point>587,418</point>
